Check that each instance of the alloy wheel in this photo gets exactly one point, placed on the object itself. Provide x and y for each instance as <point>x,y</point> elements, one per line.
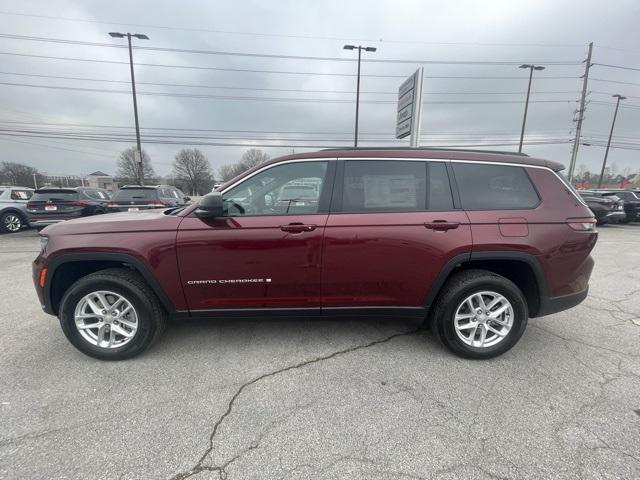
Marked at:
<point>483,319</point>
<point>12,222</point>
<point>106,319</point>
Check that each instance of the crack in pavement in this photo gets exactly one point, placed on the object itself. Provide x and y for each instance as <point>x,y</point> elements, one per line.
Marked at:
<point>200,467</point>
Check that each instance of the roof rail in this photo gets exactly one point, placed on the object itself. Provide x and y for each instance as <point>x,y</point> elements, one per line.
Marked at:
<point>471,150</point>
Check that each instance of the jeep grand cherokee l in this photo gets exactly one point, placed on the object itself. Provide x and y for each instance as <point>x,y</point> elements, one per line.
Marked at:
<point>473,242</point>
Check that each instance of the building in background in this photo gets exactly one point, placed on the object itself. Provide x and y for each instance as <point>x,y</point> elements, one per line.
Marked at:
<point>101,180</point>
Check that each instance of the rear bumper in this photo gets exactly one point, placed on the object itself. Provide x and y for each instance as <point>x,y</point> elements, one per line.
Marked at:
<point>549,305</point>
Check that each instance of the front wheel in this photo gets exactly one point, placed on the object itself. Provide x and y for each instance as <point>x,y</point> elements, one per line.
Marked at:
<point>111,314</point>
<point>480,314</point>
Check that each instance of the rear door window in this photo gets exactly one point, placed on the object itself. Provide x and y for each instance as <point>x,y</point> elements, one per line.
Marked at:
<point>384,186</point>
<point>494,187</point>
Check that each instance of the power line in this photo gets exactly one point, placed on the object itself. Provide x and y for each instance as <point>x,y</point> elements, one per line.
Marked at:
<point>613,81</point>
<point>621,67</point>
<point>224,87</point>
<point>283,35</point>
<point>101,127</point>
<point>279,56</point>
<point>269,99</point>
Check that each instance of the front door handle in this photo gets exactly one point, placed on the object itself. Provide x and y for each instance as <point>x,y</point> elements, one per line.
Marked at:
<point>297,228</point>
<point>441,225</point>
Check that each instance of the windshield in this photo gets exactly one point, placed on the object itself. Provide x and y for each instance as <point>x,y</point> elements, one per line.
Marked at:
<point>54,195</point>
<point>136,194</point>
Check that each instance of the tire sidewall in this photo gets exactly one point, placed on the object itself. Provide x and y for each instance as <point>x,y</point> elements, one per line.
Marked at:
<point>84,286</point>
<point>491,283</point>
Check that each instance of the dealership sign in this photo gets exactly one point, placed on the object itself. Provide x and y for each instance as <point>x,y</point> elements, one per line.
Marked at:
<point>410,107</point>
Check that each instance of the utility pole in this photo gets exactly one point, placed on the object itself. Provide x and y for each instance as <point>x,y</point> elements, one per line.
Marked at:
<point>35,181</point>
<point>613,123</point>
<point>139,36</point>
<point>526,103</point>
<point>366,49</point>
<point>576,142</point>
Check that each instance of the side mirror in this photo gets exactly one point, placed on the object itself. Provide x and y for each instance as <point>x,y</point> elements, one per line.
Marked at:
<point>210,206</point>
<point>187,199</point>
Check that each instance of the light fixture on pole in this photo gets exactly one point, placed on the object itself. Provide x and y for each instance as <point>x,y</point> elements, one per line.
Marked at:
<point>139,36</point>
<point>613,123</point>
<point>526,104</point>
<point>366,49</point>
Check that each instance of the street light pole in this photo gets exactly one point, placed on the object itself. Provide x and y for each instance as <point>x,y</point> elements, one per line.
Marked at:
<point>613,123</point>
<point>135,100</point>
<point>526,104</point>
<point>366,49</point>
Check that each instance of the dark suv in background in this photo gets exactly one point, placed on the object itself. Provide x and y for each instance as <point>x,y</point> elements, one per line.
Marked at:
<point>606,208</point>
<point>473,242</point>
<point>132,198</point>
<point>631,203</point>
<point>52,205</point>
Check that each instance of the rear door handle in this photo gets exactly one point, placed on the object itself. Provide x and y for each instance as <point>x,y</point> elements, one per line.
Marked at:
<point>441,225</point>
<point>297,228</point>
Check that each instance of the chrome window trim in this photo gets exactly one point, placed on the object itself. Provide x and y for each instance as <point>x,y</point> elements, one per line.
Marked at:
<point>266,167</point>
<point>329,159</point>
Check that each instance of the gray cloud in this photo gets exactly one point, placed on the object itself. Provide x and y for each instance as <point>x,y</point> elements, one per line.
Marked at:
<point>571,24</point>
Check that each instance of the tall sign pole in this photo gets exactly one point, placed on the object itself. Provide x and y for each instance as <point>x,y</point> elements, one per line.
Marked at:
<point>576,142</point>
<point>409,116</point>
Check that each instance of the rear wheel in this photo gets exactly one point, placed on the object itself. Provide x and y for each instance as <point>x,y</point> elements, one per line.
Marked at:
<point>11,222</point>
<point>111,315</point>
<point>479,315</point>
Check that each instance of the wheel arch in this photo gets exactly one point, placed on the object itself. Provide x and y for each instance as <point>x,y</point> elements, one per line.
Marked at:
<point>521,268</point>
<point>65,269</point>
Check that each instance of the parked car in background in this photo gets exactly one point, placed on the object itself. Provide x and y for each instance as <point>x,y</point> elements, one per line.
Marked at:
<point>13,208</point>
<point>631,203</point>
<point>132,198</point>
<point>52,205</point>
<point>607,209</point>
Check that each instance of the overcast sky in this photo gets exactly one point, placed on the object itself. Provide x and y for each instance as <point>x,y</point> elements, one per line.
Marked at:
<point>545,32</point>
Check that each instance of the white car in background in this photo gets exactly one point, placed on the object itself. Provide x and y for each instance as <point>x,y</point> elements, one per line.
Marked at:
<point>13,208</point>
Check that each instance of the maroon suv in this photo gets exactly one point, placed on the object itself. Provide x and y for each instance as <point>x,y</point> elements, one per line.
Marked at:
<point>474,242</point>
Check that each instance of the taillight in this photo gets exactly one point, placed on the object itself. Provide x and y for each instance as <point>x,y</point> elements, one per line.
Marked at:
<point>582,224</point>
<point>112,204</point>
<point>31,205</point>
<point>157,203</point>
<point>79,203</point>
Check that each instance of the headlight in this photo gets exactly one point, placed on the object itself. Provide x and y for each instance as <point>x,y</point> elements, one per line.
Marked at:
<point>43,242</point>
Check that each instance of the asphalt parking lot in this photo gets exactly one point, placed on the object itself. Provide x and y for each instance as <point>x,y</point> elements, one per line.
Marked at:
<point>326,399</point>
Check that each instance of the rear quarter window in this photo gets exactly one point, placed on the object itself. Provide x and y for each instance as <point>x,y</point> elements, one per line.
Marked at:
<point>20,194</point>
<point>494,187</point>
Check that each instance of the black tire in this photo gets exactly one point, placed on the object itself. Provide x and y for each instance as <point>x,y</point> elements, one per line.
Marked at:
<point>8,222</point>
<point>459,287</point>
<point>151,315</point>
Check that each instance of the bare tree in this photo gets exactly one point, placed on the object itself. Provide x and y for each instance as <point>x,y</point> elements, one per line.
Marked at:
<point>18,174</point>
<point>250,158</point>
<point>128,166</point>
<point>193,171</point>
